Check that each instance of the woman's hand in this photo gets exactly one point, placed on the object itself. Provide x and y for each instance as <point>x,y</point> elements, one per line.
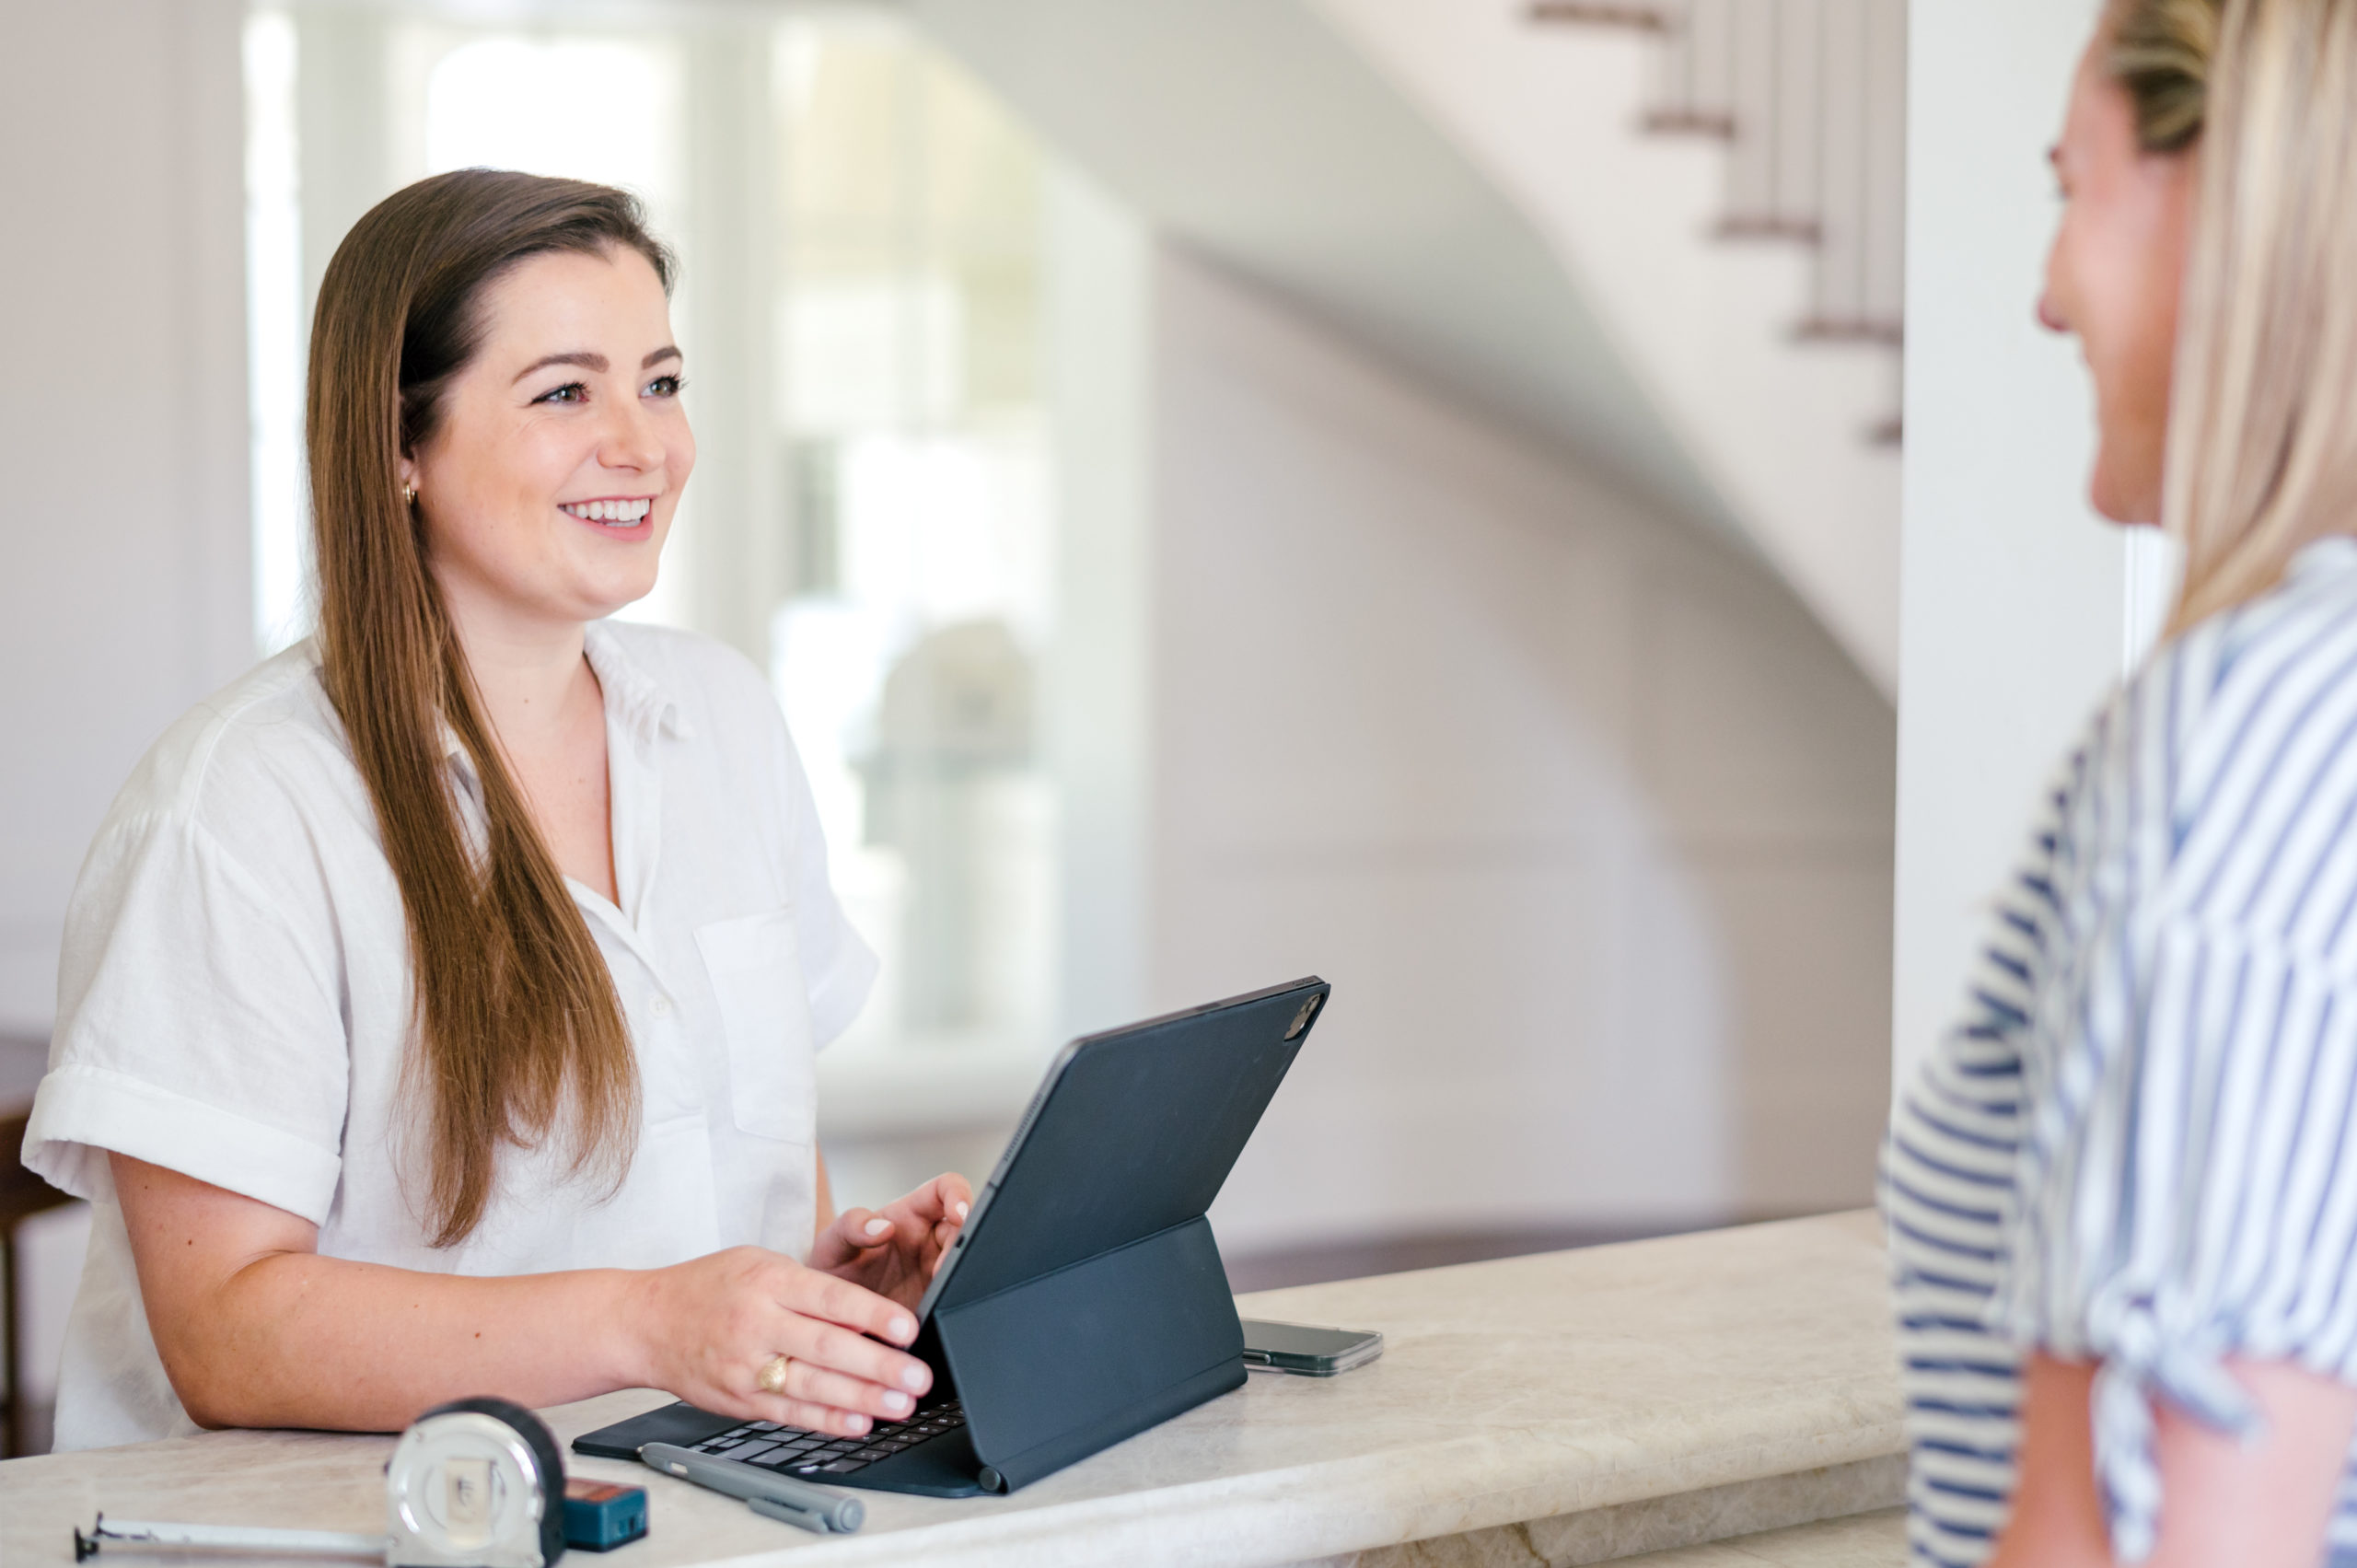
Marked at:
<point>896,1252</point>
<point>710,1326</point>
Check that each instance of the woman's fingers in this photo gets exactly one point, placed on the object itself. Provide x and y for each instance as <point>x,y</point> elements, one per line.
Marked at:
<point>818,1386</point>
<point>863,1228</point>
<point>808,1415</point>
<point>830,1349</point>
<point>837,1300</point>
<point>944,1198</point>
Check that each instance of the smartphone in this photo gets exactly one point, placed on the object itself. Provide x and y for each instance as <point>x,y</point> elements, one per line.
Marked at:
<point>1313,1352</point>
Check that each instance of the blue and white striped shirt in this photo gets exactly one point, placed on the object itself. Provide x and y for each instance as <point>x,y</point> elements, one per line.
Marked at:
<point>2140,1146</point>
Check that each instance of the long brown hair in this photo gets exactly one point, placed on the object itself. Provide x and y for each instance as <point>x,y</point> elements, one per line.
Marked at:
<point>2262,447</point>
<point>519,1026</point>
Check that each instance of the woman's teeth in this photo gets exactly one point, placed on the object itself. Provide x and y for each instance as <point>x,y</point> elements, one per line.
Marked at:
<point>617,514</point>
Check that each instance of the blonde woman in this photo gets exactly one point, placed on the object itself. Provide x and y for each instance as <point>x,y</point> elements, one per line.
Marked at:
<point>2123,1193</point>
<point>438,1001</point>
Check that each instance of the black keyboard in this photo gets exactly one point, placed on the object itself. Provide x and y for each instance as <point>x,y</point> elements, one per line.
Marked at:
<point>792,1451</point>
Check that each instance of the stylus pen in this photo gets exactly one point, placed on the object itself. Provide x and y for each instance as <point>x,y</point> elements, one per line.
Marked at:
<point>774,1496</point>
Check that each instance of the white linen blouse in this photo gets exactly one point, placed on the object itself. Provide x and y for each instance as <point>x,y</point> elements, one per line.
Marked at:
<point>235,999</point>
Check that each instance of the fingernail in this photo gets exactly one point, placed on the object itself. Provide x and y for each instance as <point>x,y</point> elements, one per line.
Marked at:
<point>899,1404</point>
<point>961,1210</point>
<point>878,1225</point>
<point>857,1423</point>
<point>915,1377</point>
<point>904,1328</point>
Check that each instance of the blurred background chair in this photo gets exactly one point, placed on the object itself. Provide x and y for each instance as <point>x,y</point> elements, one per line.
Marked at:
<point>22,1195</point>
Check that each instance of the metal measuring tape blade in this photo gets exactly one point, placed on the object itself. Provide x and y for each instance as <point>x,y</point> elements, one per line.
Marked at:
<point>475,1484</point>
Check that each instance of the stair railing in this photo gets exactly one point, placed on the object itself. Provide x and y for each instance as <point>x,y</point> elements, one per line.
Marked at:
<point>1810,96</point>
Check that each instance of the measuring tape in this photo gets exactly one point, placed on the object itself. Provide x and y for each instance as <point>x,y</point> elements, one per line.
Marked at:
<point>475,1484</point>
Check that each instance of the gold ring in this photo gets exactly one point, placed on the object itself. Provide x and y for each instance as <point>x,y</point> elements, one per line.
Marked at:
<point>772,1379</point>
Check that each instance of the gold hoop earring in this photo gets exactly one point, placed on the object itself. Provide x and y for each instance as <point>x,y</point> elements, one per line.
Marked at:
<point>409,495</point>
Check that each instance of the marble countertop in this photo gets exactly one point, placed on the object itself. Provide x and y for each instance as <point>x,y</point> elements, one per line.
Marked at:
<point>1863,1540</point>
<point>1510,1391</point>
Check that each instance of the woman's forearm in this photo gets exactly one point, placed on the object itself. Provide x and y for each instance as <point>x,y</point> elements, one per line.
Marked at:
<point>255,1328</point>
<point>297,1339</point>
<point>2260,1502</point>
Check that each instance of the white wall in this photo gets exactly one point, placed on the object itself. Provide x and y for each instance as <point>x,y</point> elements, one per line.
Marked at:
<point>1584,814</point>
<point>126,596</point>
<point>122,299</point>
<point>2015,609</point>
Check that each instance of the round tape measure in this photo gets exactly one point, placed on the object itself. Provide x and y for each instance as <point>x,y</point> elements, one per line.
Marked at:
<point>475,1484</point>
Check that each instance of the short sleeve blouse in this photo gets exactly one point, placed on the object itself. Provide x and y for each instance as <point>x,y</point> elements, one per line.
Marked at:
<point>2139,1149</point>
<point>235,998</point>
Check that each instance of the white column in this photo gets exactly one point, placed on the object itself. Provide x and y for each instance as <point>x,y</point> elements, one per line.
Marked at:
<point>2016,605</point>
<point>1100,298</point>
<point>126,595</point>
<point>732,547</point>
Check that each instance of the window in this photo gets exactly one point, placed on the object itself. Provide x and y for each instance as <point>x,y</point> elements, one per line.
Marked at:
<point>918,442</point>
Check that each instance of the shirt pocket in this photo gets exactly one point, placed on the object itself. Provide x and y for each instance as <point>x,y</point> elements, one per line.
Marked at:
<point>756,973</point>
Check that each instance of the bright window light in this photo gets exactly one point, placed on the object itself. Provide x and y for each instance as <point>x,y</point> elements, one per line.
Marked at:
<point>275,331</point>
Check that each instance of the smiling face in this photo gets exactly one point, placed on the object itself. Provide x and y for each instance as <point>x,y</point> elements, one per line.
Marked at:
<point>554,469</point>
<point>2113,280</point>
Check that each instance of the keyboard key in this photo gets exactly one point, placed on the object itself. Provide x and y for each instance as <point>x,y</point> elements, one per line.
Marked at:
<point>842,1466</point>
<point>763,1426</point>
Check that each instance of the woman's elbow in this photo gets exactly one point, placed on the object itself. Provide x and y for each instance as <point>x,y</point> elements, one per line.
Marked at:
<point>214,1396</point>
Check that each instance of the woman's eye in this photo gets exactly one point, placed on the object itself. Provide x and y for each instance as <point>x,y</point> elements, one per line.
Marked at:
<point>571,393</point>
<point>665,386</point>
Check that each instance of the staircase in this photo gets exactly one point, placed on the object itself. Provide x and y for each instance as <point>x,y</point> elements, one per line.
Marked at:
<point>1807,98</point>
<point>1724,179</point>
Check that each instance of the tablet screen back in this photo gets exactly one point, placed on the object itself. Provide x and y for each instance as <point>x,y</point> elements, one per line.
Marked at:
<point>1134,1135</point>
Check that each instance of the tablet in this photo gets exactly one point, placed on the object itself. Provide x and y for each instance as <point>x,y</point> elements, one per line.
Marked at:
<point>1130,1133</point>
<point>1085,1300</point>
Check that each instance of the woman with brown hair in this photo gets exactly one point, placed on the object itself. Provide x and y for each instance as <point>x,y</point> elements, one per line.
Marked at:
<point>438,1002</point>
<point>2123,1192</point>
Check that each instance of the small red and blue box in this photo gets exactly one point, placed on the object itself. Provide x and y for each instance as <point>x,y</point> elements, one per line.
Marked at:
<point>600,1516</point>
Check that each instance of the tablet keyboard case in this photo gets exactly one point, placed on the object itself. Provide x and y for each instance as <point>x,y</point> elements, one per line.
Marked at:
<point>1086,1300</point>
<point>1092,1303</point>
<point>1056,1368</point>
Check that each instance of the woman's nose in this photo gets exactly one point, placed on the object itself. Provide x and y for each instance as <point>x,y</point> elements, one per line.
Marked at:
<point>2048,316</point>
<point>631,440</point>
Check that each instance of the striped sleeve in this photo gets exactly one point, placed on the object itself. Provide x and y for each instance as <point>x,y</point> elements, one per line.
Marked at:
<point>2189,1177</point>
<point>1946,1194</point>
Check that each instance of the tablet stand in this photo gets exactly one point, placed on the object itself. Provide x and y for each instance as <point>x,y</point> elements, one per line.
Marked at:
<point>1062,1365</point>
